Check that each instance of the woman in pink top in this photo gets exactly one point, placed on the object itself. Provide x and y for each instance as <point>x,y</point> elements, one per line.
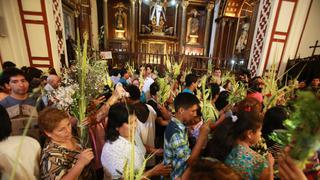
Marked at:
<point>255,89</point>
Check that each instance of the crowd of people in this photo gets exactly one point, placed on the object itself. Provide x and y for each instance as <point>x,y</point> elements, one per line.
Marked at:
<point>173,137</point>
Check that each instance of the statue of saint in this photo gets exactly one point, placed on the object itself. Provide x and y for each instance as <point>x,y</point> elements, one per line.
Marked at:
<point>193,26</point>
<point>243,38</point>
<point>119,20</point>
<point>120,16</point>
<point>158,11</point>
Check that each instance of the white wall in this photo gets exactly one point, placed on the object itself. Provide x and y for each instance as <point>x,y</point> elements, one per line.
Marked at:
<point>273,10</point>
<point>295,33</point>
<point>13,45</point>
<point>311,32</point>
<point>52,34</point>
<point>290,47</point>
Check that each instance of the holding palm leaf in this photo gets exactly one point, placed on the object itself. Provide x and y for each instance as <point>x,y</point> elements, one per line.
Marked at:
<point>123,153</point>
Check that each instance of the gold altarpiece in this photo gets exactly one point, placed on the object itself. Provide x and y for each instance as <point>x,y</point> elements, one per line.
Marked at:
<point>159,27</point>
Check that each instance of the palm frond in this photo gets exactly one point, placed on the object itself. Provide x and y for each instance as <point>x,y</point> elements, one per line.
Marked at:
<point>302,128</point>
<point>164,90</point>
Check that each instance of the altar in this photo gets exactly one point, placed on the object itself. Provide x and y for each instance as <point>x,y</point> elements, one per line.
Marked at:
<point>159,27</point>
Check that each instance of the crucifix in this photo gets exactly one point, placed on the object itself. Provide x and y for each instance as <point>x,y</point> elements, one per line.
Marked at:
<point>314,47</point>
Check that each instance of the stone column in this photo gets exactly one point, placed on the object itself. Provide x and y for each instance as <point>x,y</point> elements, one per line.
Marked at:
<point>105,20</point>
<point>206,34</point>
<point>140,2</point>
<point>176,20</point>
<point>226,52</point>
<point>133,24</point>
<point>84,19</point>
<point>94,25</point>
<point>222,25</point>
<point>185,4</point>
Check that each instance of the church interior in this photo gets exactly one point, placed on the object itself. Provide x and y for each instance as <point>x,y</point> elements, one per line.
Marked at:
<point>160,89</point>
<point>230,34</point>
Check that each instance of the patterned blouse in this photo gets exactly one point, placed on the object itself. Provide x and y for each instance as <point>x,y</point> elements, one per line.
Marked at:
<point>248,163</point>
<point>56,161</point>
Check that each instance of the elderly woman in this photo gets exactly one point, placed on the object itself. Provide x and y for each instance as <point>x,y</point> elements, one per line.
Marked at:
<point>117,149</point>
<point>62,157</point>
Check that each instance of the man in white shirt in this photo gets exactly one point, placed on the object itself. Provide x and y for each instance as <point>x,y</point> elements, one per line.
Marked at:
<point>146,126</point>
<point>53,83</point>
<point>147,81</point>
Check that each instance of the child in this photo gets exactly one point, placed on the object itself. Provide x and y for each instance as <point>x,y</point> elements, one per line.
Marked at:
<point>194,128</point>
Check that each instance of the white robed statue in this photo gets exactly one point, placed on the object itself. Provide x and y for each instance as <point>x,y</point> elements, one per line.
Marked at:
<point>157,11</point>
<point>243,38</point>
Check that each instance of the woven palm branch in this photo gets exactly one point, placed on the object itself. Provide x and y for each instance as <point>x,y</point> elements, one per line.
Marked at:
<point>271,91</point>
<point>238,91</point>
<point>225,77</point>
<point>130,68</point>
<point>176,69</point>
<point>141,78</point>
<point>209,112</point>
<point>164,90</point>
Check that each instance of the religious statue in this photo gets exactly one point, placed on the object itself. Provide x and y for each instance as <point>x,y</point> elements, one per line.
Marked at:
<point>243,38</point>
<point>120,20</point>
<point>193,27</point>
<point>120,16</point>
<point>158,12</point>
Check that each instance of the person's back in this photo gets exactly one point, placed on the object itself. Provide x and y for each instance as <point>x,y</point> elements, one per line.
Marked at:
<point>246,162</point>
<point>191,84</point>
<point>146,129</point>
<point>27,167</point>
<point>146,118</point>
